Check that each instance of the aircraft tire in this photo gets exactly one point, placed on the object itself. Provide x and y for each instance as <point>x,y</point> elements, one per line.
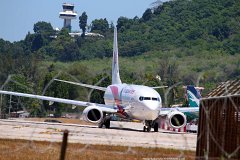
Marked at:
<point>148,129</point>
<point>155,127</point>
<point>100,125</point>
<point>107,123</point>
<point>144,129</point>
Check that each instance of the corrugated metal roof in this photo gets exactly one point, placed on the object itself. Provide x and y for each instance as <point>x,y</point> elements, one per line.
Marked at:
<point>226,88</point>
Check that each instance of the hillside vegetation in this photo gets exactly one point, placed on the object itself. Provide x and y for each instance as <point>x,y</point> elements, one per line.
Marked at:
<point>184,42</point>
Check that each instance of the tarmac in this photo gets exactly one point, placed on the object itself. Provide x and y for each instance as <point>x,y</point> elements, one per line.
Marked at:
<point>121,133</point>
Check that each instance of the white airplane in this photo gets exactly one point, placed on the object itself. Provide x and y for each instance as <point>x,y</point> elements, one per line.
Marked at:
<point>126,100</point>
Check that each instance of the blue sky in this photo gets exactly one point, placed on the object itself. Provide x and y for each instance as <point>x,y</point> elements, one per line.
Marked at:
<point>18,16</point>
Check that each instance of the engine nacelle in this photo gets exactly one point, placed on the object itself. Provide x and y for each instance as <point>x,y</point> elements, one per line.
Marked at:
<point>92,114</point>
<point>176,119</point>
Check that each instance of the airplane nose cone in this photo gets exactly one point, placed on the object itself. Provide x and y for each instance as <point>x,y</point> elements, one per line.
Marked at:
<point>152,105</point>
<point>152,111</point>
<point>146,110</point>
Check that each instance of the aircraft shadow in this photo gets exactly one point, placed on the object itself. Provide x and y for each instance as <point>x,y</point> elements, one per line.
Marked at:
<point>126,129</point>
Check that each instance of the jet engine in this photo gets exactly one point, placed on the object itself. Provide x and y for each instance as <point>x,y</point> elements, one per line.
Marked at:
<point>92,114</point>
<point>176,119</point>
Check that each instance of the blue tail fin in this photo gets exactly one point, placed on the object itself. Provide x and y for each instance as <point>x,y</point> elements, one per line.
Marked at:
<point>193,96</point>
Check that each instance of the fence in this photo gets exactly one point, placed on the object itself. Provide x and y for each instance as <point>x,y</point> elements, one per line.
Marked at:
<point>219,128</point>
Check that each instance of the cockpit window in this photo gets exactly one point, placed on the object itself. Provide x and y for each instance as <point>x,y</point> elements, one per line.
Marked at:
<point>149,98</point>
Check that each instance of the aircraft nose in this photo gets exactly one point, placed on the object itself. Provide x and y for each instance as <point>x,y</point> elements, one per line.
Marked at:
<point>152,110</point>
<point>152,105</point>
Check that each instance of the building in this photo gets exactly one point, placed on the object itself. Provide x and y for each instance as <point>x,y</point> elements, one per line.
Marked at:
<point>219,123</point>
<point>67,14</point>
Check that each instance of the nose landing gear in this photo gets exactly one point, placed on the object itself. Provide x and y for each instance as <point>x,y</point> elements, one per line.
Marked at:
<point>146,128</point>
<point>150,124</point>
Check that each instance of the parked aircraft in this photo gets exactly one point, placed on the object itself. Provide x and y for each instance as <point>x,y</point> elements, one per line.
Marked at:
<point>126,100</point>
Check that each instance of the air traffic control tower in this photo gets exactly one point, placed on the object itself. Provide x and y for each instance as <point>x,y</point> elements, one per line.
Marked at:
<point>67,14</point>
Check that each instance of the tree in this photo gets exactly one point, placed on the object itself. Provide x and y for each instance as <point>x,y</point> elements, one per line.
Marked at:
<point>18,83</point>
<point>71,53</point>
<point>58,47</point>
<point>169,73</point>
<point>43,33</point>
<point>43,28</point>
<point>37,42</point>
<point>158,10</point>
<point>57,89</point>
<point>83,23</point>
<point>147,14</point>
<point>123,23</point>
<point>96,96</point>
<point>100,25</point>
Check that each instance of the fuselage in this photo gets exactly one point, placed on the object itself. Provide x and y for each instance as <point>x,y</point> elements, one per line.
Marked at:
<point>137,101</point>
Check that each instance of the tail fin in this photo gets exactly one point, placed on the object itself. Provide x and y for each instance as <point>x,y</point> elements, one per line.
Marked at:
<point>115,67</point>
<point>193,96</point>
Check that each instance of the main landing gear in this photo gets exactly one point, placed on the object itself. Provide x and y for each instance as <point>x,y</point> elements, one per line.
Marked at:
<point>105,121</point>
<point>150,124</point>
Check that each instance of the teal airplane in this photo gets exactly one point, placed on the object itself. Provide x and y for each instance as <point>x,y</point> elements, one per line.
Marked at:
<point>193,96</point>
<point>183,115</point>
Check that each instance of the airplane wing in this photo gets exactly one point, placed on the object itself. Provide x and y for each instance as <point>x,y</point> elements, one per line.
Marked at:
<point>165,111</point>
<point>159,87</point>
<point>103,107</point>
<point>83,85</point>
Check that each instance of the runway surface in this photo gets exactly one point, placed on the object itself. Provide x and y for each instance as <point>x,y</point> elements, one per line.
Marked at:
<point>120,133</point>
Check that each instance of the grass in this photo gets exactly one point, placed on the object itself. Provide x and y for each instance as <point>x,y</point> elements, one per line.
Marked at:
<point>28,150</point>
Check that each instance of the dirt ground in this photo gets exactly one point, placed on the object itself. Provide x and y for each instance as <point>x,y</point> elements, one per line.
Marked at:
<point>28,150</point>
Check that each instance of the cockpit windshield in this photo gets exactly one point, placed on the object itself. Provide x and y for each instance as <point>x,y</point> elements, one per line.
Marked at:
<point>146,98</point>
<point>141,98</point>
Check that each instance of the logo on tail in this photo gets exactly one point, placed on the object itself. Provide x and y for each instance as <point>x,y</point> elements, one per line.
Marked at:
<point>193,96</point>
